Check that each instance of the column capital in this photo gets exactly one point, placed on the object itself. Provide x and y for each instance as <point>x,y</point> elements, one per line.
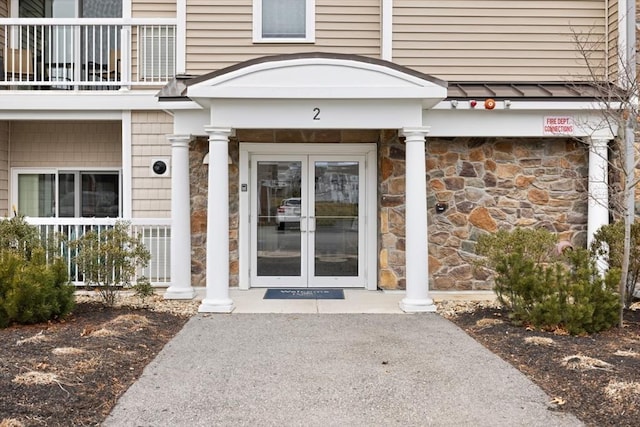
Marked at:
<point>179,140</point>
<point>221,132</point>
<point>415,132</point>
<point>600,140</point>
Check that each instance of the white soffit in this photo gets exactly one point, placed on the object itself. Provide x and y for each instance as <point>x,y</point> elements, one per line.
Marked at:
<point>317,78</point>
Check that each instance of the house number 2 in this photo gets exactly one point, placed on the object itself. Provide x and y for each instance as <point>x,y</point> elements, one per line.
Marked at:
<point>316,115</point>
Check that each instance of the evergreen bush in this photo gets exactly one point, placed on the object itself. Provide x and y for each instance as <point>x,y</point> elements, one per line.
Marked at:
<point>549,291</point>
<point>32,290</point>
<point>608,245</point>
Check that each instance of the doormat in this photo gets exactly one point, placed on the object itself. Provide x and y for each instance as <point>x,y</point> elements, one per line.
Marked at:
<point>304,294</point>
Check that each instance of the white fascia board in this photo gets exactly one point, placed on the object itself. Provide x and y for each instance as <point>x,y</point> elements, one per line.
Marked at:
<point>60,115</point>
<point>311,70</point>
<point>484,123</point>
<point>325,92</point>
<point>69,100</point>
<point>316,114</point>
<point>527,105</point>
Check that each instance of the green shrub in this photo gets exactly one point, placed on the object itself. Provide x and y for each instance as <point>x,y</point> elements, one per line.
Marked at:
<point>18,236</point>
<point>608,244</point>
<point>108,260</point>
<point>34,291</point>
<point>547,291</point>
<point>143,289</point>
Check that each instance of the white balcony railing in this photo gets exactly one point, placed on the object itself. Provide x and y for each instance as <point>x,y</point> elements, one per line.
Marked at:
<point>155,233</point>
<point>86,54</point>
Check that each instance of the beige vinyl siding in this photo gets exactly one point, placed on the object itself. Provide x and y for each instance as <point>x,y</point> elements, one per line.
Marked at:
<point>151,194</point>
<point>220,33</point>
<point>153,8</point>
<point>612,39</point>
<point>497,39</point>
<point>4,168</point>
<point>66,144</point>
<point>4,13</point>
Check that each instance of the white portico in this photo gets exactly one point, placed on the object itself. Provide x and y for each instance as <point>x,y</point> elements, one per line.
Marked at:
<point>325,92</point>
<point>301,92</point>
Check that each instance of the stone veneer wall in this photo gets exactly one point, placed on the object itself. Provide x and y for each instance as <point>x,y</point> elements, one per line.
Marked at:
<point>199,187</point>
<point>486,185</point>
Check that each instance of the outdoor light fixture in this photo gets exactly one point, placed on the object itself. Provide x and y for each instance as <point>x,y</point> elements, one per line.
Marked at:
<point>160,167</point>
<point>441,207</point>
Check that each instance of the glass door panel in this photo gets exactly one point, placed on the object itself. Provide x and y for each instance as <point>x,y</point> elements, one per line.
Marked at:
<point>307,219</point>
<point>336,218</point>
<point>278,211</point>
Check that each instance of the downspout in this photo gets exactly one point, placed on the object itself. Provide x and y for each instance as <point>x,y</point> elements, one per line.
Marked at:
<point>386,30</point>
<point>181,37</point>
<point>631,87</point>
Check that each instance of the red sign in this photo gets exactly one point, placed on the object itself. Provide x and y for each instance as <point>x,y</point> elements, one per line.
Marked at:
<point>558,125</point>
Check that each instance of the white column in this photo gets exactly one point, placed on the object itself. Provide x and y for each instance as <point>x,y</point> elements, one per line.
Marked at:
<point>598,211</point>
<point>180,220</point>
<point>217,294</point>
<point>416,250</point>
<point>127,186</point>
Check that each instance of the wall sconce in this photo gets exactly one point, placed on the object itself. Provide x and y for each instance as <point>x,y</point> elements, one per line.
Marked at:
<point>205,161</point>
<point>160,167</point>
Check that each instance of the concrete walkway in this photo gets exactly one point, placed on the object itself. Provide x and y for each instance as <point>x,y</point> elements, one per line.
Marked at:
<point>299,369</point>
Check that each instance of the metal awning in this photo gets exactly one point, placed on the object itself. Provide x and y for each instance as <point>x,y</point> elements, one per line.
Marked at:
<point>533,90</point>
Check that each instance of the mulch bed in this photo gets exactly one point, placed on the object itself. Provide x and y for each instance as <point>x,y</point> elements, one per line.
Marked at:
<point>72,372</point>
<point>597,377</point>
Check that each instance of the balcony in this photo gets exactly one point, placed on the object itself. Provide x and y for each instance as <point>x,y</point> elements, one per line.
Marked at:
<point>86,53</point>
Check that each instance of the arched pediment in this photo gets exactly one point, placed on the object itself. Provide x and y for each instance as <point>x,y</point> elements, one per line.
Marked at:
<point>317,76</point>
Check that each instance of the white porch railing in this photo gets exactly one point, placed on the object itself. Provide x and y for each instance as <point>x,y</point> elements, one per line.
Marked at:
<point>155,233</point>
<point>87,53</point>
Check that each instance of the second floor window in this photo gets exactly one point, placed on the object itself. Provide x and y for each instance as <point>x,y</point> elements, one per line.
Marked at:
<point>283,20</point>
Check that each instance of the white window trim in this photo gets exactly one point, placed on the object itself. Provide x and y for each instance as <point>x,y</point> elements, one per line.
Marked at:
<point>310,25</point>
<point>56,171</point>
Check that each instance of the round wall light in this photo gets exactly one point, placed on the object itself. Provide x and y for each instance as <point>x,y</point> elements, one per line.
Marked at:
<point>160,167</point>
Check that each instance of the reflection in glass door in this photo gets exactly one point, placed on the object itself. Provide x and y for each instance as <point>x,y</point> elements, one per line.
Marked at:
<point>278,207</point>
<point>335,218</point>
<point>307,217</point>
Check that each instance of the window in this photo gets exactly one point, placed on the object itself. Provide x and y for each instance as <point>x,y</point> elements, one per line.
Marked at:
<point>67,194</point>
<point>278,21</point>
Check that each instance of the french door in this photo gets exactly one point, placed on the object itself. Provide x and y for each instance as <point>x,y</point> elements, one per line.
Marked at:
<point>307,220</point>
